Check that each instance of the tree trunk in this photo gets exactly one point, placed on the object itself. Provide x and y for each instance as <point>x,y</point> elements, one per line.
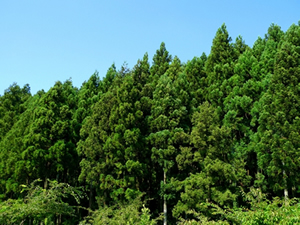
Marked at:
<point>165,201</point>
<point>46,183</point>
<point>46,175</point>
<point>91,197</point>
<point>285,192</point>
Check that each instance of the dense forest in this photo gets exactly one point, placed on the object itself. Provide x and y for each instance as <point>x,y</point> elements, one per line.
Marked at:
<point>214,140</point>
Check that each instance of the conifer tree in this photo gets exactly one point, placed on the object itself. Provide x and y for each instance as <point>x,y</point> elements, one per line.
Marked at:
<point>93,133</point>
<point>88,95</point>
<point>167,120</point>
<point>278,133</point>
<point>13,168</point>
<point>188,135</point>
<point>161,62</point>
<point>264,50</point>
<point>215,174</point>
<point>250,80</point>
<point>219,68</point>
<point>114,149</point>
<point>49,143</point>
<point>197,79</point>
<point>12,105</point>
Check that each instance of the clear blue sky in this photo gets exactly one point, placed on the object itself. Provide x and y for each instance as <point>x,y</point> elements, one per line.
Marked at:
<point>45,41</point>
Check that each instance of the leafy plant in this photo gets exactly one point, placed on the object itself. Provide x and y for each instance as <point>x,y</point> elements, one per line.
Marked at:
<point>40,204</point>
<point>133,213</point>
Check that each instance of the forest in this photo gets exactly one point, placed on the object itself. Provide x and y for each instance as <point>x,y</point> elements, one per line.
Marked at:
<point>214,140</point>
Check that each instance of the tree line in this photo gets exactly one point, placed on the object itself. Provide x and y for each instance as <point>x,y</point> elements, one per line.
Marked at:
<point>193,139</point>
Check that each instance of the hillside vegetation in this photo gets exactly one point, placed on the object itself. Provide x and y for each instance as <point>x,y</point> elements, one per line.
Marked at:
<point>214,140</point>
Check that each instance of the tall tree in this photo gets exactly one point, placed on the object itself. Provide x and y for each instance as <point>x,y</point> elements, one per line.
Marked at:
<point>250,81</point>
<point>49,144</point>
<point>219,67</point>
<point>161,62</point>
<point>215,173</point>
<point>114,150</point>
<point>264,50</point>
<point>88,95</point>
<point>278,133</point>
<point>13,170</point>
<point>12,104</point>
<point>197,79</point>
<point>167,126</point>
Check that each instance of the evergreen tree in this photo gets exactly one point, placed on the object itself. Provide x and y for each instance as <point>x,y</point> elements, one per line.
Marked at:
<point>189,136</point>
<point>220,67</point>
<point>264,50</point>
<point>167,126</point>
<point>93,134</point>
<point>88,95</point>
<point>113,152</point>
<point>197,79</point>
<point>12,104</point>
<point>49,144</point>
<point>249,82</point>
<point>278,133</point>
<point>13,170</point>
<point>215,174</point>
<point>161,62</point>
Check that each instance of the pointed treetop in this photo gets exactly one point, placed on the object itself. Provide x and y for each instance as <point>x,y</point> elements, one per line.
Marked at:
<point>221,50</point>
<point>293,34</point>
<point>274,33</point>
<point>239,46</point>
<point>110,76</point>
<point>175,68</point>
<point>141,71</point>
<point>161,61</point>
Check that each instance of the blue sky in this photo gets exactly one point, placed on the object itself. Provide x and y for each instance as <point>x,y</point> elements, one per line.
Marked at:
<point>42,42</point>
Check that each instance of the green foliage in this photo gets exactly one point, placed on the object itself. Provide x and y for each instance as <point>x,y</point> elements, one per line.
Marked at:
<point>112,139</point>
<point>12,165</point>
<point>40,205</point>
<point>220,68</point>
<point>132,213</point>
<point>49,145</point>
<point>12,104</point>
<point>161,61</point>
<point>218,173</point>
<point>188,135</point>
<point>196,77</point>
<point>260,211</point>
<point>264,211</point>
<point>278,133</point>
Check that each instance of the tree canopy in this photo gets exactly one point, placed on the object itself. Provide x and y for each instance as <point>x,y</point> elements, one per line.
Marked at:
<point>163,142</point>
